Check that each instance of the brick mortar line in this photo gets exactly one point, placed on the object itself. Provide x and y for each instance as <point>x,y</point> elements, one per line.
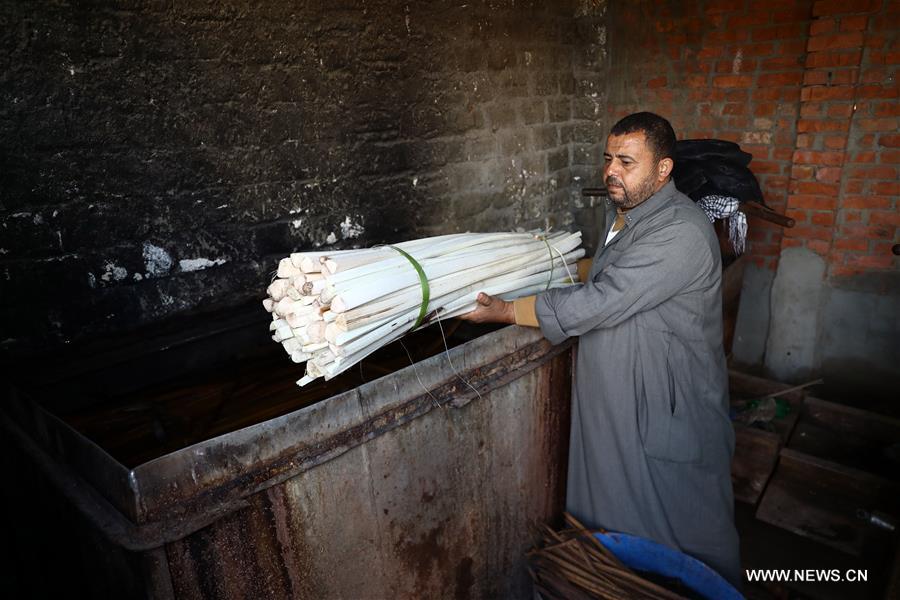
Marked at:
<point>845,151</point>
<point>839,207</point>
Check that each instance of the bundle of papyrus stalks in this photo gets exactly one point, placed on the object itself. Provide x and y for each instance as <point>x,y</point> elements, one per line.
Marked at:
<point>572,564</point>
<point>331,309</point>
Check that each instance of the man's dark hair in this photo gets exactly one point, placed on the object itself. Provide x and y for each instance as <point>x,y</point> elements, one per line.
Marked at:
<point>658,131</point>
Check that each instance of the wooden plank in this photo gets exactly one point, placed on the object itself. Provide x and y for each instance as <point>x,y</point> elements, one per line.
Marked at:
<point>765,546</point>
<point>732,283</point>
<point>843,448</point>
<point>849,436</point>
<point>848,419</point>
<point>755,455</point>
<point>820,499</point>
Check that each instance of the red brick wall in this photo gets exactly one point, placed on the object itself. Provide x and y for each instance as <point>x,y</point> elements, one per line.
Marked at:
<point>843,188</point>
<point>808,87</point>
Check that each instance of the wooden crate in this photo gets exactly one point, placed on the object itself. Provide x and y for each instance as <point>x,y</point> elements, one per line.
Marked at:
<point>821,500</point>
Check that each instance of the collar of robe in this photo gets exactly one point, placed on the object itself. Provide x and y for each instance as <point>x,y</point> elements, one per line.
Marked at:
<point>648,206</point>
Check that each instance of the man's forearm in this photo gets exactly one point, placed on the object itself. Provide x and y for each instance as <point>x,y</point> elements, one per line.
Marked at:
<point>524,307</point>
<point>520,312</point>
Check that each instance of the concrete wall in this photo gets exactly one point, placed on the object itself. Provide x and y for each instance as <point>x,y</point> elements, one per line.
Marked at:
<point>797,324</point>
<point>156,158</point>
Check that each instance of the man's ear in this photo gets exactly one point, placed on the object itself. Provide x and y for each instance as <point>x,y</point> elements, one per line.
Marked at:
<point>665,168</point>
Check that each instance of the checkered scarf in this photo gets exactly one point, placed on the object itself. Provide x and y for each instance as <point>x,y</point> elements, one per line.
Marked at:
<point>726,207</point>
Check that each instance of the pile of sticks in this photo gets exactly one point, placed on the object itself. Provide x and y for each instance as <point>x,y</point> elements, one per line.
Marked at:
<point>332,309</point>
<point>572,564</point>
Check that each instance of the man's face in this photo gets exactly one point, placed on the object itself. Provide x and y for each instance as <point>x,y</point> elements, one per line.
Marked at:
<point>631,171</point>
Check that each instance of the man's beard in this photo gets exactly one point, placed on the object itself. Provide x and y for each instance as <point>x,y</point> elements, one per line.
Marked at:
<point>632,198</point>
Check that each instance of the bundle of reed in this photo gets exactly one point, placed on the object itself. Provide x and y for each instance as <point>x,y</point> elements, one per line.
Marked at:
<point>572,564</point>
<point>332,309</point>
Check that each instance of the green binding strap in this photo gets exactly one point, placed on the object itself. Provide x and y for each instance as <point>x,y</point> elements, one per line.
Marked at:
<point>423,281</point>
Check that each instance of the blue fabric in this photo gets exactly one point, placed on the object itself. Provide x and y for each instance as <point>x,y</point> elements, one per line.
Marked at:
<point>645,555</point>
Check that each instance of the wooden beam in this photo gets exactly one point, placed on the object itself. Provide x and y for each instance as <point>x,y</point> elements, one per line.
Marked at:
<point>821,500</point>
<point>755,456</point>
<point>755,209</point>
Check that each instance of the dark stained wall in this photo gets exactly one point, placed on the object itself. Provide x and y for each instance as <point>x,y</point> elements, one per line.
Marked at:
<point>157,157</point>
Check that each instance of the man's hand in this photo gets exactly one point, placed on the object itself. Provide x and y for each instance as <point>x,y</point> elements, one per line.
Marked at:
<point>491,310</point>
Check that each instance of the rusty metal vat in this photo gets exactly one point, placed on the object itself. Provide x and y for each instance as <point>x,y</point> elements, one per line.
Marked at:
<point>422,483</point>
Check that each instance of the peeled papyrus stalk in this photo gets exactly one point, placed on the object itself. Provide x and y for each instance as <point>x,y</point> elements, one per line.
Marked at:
<point>331,309</point>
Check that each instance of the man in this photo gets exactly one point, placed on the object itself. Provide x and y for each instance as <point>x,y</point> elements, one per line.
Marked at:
<point>651,443</point>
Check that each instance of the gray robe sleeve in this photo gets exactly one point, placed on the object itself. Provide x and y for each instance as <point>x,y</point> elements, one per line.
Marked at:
<point>651,270</point>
